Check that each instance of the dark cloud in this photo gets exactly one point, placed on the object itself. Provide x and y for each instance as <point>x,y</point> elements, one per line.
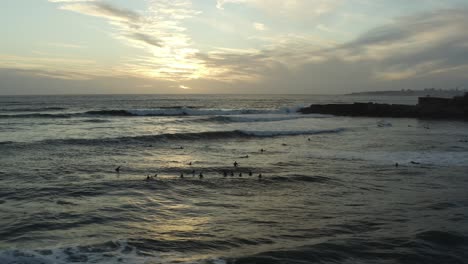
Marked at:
<point>420,44</point>
<point>409,50</point>
<point>102,9</point>
<point>111,10</point>
<point>148,39</point>
<point>16,82</point>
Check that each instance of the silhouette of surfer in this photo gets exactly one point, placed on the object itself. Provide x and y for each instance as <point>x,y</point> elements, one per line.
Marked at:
<point>117,169</point>
<point>236,164</point>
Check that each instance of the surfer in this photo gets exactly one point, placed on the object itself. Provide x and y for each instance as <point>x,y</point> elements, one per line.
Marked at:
<point>236,164</point>
<point>224,173</point>
<point>250,173</point>
<point>396,164</point>
<point>259,176</point>
<point>182,175</point>
<point>240,174</point>
<point>117,169</point>
<point>200,175</point>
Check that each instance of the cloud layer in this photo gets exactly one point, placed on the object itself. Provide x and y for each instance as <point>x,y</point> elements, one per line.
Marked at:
<point>410,50</point>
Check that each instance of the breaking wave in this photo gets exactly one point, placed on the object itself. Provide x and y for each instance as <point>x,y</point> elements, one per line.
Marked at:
<point>166,111</point>
<point>109,252</point>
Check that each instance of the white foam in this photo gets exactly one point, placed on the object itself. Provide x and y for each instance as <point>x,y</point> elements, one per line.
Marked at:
<point>123,253</point>
<point>107,256</point>
<point>209,112</point>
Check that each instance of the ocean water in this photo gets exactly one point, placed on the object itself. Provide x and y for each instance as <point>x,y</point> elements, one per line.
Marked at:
<point>329,193</point>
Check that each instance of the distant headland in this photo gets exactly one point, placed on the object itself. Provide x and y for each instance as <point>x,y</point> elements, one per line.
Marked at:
<point>408,92</point>
<point>427,107</point>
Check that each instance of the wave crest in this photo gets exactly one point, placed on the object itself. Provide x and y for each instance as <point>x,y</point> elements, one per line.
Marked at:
<point>207,135</point>
<point>164,111</point>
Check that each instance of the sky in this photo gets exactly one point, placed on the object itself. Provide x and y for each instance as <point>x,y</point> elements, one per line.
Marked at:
<point>231,46</point>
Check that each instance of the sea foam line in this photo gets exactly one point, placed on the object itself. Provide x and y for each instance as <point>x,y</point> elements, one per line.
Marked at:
<point>176,111</point>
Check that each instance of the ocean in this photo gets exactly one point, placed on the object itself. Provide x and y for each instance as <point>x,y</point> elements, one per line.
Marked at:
<point>306,188</point>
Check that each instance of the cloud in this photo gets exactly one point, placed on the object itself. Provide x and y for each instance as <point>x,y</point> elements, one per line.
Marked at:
<point>70,1</point>
<point>411,50</point>
<point>101,9</point>
<point>407,48</point>
<point>65,45</point>
<point>412,46</point>
<point>15,81</point>
<point>150,40</point>
<point>287,8</point>
<point>59,68</point>
<point>259,26</point>
<point>165,48</point>
<point>282,55</point>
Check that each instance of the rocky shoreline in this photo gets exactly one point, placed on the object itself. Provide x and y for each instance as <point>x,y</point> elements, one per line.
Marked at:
<point>427,107</point>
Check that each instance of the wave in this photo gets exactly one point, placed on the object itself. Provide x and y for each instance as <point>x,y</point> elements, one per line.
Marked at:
<point>96,121</point>
<point>409,249</point>
<point>261,133</point>
<point>109,252</point>
<point>164,111</point>
<point>184,111</point>
<point>208,135</point>
<point>40,109</point>
<point>37,116</point>
<point>124,251</point>
<point>109,113</point>
<point>264,118</point>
